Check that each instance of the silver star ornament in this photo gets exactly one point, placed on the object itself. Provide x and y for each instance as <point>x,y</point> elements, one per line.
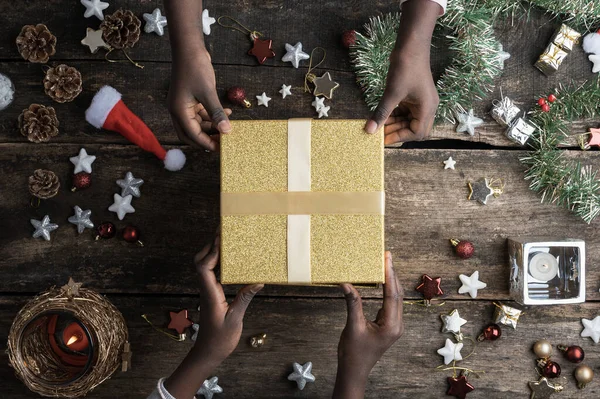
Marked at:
<point>122,206</point>
<point>302,374</point>
<point>318,103</point>
<point>43,227</point>
<point>83,162</point>
<point>467,122</point>
<point>207,21</point>
<point>94,8</point>
<point>285,90</point>
<point>294,54</point>
<point>471,284</point>
<point>591,328</point>
<point>155,22</point>
<point>263,99</point>
<point>502,56</point>
<point>452,322</point>
<point>130,185</point>
<point>209,388</point>
<point>81,219</point>
<point>323,112</point>
<point>451,351</point>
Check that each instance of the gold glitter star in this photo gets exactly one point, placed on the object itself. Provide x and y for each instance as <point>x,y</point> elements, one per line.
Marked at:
<point>93,39</point>
<point>71,289</point>
<point>542,389</point>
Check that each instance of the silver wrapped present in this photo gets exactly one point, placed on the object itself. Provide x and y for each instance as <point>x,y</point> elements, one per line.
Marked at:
<point>566,38</point>
<point>506,315</point>
<point>551,59</point>
<point>504,111</point>
<point>520,131</point>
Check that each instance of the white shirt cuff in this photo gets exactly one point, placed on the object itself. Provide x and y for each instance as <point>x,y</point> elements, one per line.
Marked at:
<point>442,3</point>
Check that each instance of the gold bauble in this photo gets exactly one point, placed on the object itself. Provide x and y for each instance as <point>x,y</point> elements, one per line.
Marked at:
<point>584,375</point>
<point>542,349</point>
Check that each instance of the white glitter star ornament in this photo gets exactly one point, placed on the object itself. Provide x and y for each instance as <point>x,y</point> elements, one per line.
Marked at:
<point>323,112</point>
<point>591,328</point>
<point>43,227</point>
<point>451,351</point>
<point>209,388</point>
<point>155,22</point>
<point>130,185</point>
<point>449,163</point>
<point>207,21</point>
<point>467,122</point>
<point>294,54</point>
<point>285,90</point>
<point>94,8</point>
<point>122,206</point>
<point>81,219</point>
<point>83,162</point>
<point>318,103</point>
<point>595,58</point>
<point>302,374</point>
<point>502,56</point>
<point>93,39</point>
<point>263,99</point>
<point>470,284</point>
<point>452,323</point>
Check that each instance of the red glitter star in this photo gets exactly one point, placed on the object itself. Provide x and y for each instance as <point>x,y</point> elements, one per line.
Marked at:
<point>179,321</point>
<point>595,139</point>
<point>430,287</point>
<point>459,387</point>
<point>262,50</point>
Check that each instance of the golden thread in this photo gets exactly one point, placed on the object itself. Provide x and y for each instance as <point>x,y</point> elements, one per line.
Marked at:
<point>110,50</point>
<point>309,77</point>
<point>240,27</point>
<point>178,338</point>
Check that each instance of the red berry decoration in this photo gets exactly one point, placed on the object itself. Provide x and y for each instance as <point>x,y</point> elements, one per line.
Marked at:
<point>106,230</point>
<point>237,95</point>
<point>573,353</point>
<point>349,38</point>
<point>541,101</point>
<point>551,98</point>
<point>551,370</point>
<point>491,333</point>
<point>81,180</point>
<point>131,234</point>
<point>546,108</point>
<point>463,249</point>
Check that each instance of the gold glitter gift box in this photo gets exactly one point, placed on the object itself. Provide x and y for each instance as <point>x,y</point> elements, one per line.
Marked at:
<point>302,203</point>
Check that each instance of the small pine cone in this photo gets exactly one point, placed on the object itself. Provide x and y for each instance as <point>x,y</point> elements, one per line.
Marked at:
<point>43,184</point>
<point>36,43</point>
<point>121,30</point>
<point>62,83</point>
<point>38,123</point>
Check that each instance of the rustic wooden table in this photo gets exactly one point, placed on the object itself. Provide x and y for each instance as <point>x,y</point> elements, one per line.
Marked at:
<point>178,212</point>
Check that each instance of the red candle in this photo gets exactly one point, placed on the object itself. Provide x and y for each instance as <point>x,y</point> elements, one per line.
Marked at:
<point>75,338</point>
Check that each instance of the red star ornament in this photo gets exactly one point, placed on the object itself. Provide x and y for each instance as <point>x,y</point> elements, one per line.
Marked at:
<point>179,321</point>
<point>595,139</point>
<point>262,50</point>
<point>430,287</point>
<point>459,387</point>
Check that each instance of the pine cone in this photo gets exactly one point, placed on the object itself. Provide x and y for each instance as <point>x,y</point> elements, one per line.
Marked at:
<point>38,123</point>
<point>43,184</point>
<point>62,83</point>
<point>121,30</point>
<point>36,43</point>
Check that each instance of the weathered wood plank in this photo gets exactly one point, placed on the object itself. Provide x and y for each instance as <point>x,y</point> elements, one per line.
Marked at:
<point>425,207</point>
<point>308,330</point>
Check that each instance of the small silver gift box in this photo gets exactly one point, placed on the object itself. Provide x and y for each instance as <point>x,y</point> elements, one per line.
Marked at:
<point>546,271</point>
<point>520,131</point>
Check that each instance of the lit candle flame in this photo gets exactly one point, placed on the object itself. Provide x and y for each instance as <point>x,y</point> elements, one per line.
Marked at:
<point>72,340</point>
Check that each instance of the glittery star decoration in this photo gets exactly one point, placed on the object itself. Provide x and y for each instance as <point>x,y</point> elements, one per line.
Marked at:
<point>81,219</point>
<point>179,321</point>
<point>452,322</point>
<point>262,50</point>
<point>502,56</point>
<point>130,185</point>
<point>71,289</point>
<point>451,351</point>
<point>195,328</point>
<point>430,287</point>
<point>542,389</point>
<point>209,388</point>
<point>94,8</point>
<point>595,138</point>
<point>43,227</point>
<point>467,122</point>
<point>294,54</point>
<point>471,284</point>
<point>318,103</point>
<point>449,163</point>
<point>93,39</point>
<point>207,21</point>
<point>324,86</point>
<point>302,374</point>
<point>155,22</point>
<point>595,59</point>
<point>263,99</point>
<point>122,206</point>
<point>83,162</point>
<point>480,191</point>
<point>591,328</point>
<point>459,387</point>
<point>323,112</point>
<point>285,90</point>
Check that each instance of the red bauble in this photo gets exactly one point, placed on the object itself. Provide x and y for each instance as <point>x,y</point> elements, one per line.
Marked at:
<point>349,38</point>
<point>237,95</point>
<point>81,180</point>
<point>541,101</point>
<point>463,249</point>
<point>551,370</point>
<point>491,333</point>
<point>551,98</point>
<point>131,234</point>
<point>106,230</point>
<point>574,354</point>
<point>546,108</point>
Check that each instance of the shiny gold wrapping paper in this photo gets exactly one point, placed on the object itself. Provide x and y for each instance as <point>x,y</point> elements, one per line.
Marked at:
<point>344,248</point>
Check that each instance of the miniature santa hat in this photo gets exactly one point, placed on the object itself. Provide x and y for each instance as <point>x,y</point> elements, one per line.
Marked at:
<point>108,111</point>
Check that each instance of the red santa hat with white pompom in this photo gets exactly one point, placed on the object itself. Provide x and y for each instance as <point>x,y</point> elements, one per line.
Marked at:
<point>109,112</point>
